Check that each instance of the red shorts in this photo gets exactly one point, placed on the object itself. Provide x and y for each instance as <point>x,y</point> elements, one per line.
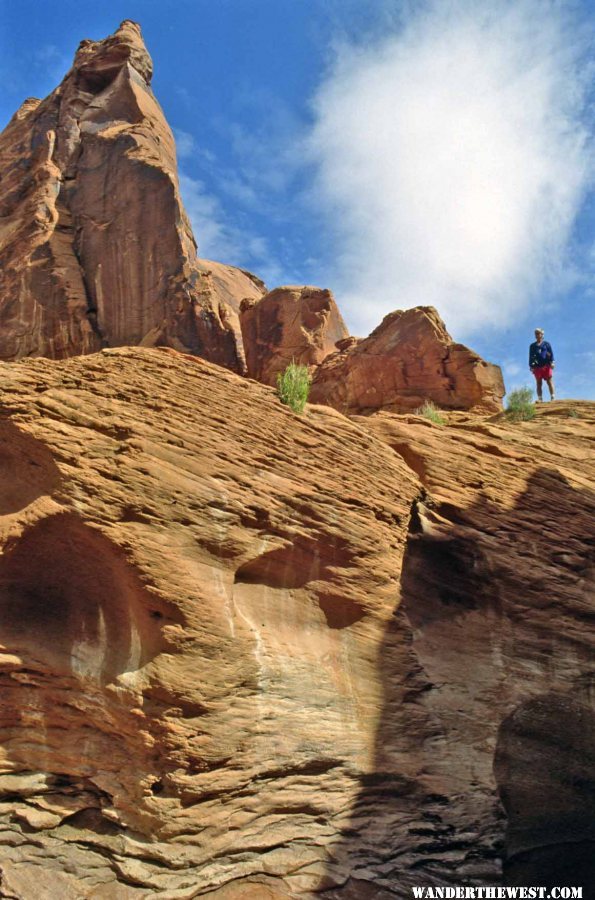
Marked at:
<point>543,372</point>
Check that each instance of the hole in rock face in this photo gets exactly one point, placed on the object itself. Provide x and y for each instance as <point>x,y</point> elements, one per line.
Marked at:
<point>297,563</point>
<point>303,561</point>
<point>340,612</point>
<point>92,820</point>
<point>27,469</point>
<point>98,73</point>
<point>70,599</point>
<point>288,567</point>
<point>446,578</point>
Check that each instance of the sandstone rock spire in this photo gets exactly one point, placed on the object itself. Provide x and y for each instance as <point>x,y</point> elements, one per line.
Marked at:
<point>95,246</point>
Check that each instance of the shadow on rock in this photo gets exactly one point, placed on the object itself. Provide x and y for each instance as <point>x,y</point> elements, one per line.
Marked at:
<point>484,771</point>
<point>545,769</point>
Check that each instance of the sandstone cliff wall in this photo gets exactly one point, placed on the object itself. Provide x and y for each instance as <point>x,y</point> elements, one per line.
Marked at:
<point>251,654</point>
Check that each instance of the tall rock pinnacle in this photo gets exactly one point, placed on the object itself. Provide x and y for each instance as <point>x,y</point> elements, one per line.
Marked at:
<point>95,246</point>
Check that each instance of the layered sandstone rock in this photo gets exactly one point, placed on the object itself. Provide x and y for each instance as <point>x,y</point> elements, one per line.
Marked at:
<point>300,324</point>
<point>193,581</point>
<point>95,246</point>
<point>408,359</point>
<point>257,655</point>
<point>498,586</point>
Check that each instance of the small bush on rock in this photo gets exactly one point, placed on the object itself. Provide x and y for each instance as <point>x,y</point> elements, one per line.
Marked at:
<point>293,386</point>
<point>520,406</point>
<point>429,411</point>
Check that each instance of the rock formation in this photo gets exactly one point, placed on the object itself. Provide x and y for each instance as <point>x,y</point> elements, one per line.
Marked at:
<point>96,250</point>
<point>256,655</point>
<point>301,324</point>
<point>247,654</point>
<point>408,359</point>
<point>180,531</point>
<point>498,584</point>
<point>95,246</point>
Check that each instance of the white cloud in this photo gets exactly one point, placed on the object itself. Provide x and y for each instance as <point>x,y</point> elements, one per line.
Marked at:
<point>215,239</point>
<point>219,238</point>
<point>185,143</point>
<point>452,161</point>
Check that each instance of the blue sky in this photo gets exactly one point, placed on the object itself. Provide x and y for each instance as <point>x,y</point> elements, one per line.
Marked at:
<point>400,152</point>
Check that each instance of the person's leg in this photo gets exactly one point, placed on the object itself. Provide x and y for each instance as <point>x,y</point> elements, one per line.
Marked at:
<point>550,384</point>
<point>539,387</point>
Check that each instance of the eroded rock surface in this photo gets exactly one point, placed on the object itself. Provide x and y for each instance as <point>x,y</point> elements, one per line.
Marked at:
<point>498,594</point>
<point>408,359</point>
<point>257,655</point>
<point>193,581</point>
<point>95,247</point>
<point>290,324</point>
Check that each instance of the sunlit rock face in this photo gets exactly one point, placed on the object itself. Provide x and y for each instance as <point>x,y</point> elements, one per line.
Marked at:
<point>249,654</point>
<point>409,359</point>
<point>95,247</point>
<point>193,586</point>
<point>290,324</point>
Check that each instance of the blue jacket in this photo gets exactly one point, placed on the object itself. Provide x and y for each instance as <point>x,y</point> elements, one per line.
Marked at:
<point>540,354</point>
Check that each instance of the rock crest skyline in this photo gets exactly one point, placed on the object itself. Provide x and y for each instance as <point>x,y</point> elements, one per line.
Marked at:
<point>96,250</point>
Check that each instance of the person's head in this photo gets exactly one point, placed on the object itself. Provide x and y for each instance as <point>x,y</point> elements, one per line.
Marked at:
<point>539,334</point>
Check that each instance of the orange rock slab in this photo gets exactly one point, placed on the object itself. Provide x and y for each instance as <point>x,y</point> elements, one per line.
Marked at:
<point>245,653</point>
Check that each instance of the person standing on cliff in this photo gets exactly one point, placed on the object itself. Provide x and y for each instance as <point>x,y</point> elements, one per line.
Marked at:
<point>541,363</point>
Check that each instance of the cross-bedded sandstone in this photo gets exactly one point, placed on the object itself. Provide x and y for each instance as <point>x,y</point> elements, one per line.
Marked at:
<point>247,653</point>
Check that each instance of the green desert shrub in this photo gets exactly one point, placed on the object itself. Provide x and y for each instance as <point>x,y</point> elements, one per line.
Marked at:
<point>520,407</point>
<point>429,411</point>
<point>293,386</point>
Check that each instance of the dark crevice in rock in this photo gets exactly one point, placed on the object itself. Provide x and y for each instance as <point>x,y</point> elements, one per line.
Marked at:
<point>92,311</point>
<point>91,819</point>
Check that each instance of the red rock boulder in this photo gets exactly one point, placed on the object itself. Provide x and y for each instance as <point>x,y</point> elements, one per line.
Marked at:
<point>408,359</point>
<point>290,323</point>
